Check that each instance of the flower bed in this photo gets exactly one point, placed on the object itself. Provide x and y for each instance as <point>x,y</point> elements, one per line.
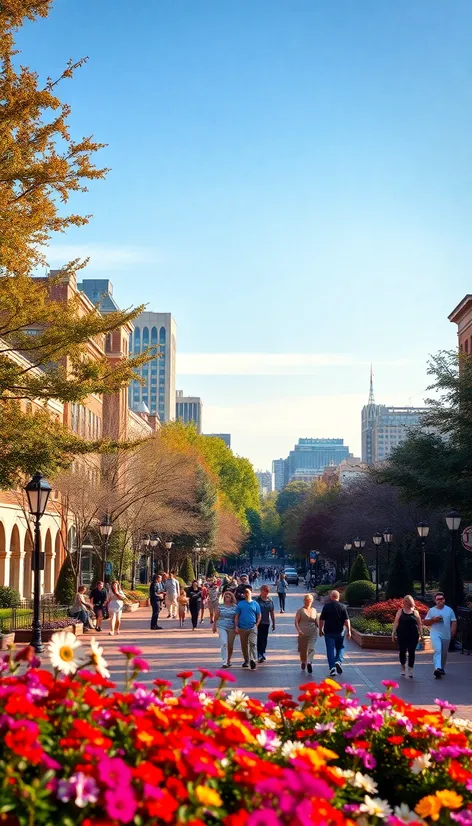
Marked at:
<point>74,751</point>
<point>372,628</point>
<point>385,611</point>
<point>23,635</point>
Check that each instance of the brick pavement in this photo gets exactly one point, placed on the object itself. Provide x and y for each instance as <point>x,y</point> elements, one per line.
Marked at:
<point>173,649</point>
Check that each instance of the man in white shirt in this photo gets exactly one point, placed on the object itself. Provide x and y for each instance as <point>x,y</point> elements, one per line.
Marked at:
<point>443,624</point>
<point>172,589</point>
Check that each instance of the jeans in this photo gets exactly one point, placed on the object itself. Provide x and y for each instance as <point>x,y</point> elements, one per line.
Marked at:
<point>334,648</point>
<point>281,597</point>
<point>248,638</point>
<point>262,634</point>
<point>156,607</point>
<point>82,616</point>
<point>226,636</point>
<point>440,650</point>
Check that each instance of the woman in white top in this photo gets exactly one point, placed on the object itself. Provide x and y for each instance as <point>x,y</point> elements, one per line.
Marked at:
<point>115,603</point>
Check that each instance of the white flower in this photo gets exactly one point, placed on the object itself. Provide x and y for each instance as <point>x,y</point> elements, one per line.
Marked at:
<point>98,660</point>
<point>404,813</point>
<point>375,806</point>
<point>205,700</point>
<point>290,749</point>
<point>268,722</point>
<point>421,763</point>
<point>224,762</point>
<point>352,712</point>
<point>65,652</point>
<point>271,743</point>
<point>363,781</point>
<point>347,773</point>
<point>237,699</point>
<point>459,722</point>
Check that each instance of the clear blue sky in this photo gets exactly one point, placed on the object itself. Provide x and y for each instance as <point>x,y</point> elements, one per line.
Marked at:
<point>287,177</point>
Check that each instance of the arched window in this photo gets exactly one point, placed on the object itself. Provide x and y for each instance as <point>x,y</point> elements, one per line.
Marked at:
<point>154,335</point>
<point>137,340</point>
<point>145,337</point>
<point>162,335</point>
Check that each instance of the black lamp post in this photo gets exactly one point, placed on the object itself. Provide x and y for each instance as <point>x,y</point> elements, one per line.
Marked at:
<point>347,548</point>
<point>154,541</point>
<point>423,531</point>
<point>168,548</point>
<point>146,544</point>
<point>388,539</point>
<point>38,491</point>
<point>377,539</point>
<point>453,522</point>
<point>106,528</point>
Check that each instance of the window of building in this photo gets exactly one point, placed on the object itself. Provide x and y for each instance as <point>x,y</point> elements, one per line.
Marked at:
<point>154,336</point>
<point>108,343</point>
<point>145,337</point>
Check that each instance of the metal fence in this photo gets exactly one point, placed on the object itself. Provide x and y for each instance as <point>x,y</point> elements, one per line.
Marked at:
<point>13,619</point>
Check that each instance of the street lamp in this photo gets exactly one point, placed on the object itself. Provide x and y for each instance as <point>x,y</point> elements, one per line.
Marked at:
<point>388,539</point>
<point>168,547</point>
<point>423,531</point>
<point>106,528</point>
<point>38,491</point>
<point>154,541</point>
<point>347,548</point>
<point>196,558</point>
<point>453,522</point>
<point>377,539</point>
<point>359,543</point>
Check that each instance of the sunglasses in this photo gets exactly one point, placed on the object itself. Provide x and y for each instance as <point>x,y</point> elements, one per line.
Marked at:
<point>439,599</point>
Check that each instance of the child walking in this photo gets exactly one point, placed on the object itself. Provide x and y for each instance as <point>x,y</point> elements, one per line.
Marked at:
<point>182,602</point>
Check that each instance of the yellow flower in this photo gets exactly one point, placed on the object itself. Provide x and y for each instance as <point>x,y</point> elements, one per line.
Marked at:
<point>429,806</point>
<point>449,799</point>
<point>332,683</point>
<point>208,797</point>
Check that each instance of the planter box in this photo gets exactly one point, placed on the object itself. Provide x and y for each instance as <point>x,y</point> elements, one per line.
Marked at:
<point>78,628</point>
<point>23,635</point>
<point>6,640</point>
<point>379,643</point>
<point>143,603</point>
<point>130,606</point>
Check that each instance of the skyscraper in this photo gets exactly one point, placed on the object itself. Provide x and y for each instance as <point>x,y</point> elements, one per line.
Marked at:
<point>278,470</point>
<point>264,477</point>
<point>158,391</point>
<point>309,458</point>
<point>383,428</point>
<point>189,409</point>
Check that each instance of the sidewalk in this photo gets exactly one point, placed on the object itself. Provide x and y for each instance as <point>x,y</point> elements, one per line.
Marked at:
<point>173,649</point>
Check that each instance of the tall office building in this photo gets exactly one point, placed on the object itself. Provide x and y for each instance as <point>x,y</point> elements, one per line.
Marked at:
<point>278,470</point>
<point>264,478</point>
<point>383,428</point>
<point>310,457</point>
<point>158,391</point>
<point>189,409</point>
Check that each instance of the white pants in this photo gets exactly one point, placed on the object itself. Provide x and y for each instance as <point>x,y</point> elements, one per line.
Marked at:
<point>440,650</point>
<point>171,603</point>
<point>226,636</point>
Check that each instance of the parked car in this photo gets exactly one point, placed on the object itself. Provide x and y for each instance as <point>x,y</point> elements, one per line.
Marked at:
<point>292,576</point>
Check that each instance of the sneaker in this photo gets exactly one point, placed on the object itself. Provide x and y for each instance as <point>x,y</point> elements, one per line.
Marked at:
<point>303,666</point>
<point>225,665</point>
<point>98,629</point>
<point>309,668</point>
<point>260,659</point>
<point>402,672</point>
<point>410,673</point>
<point>253,664</point>
<point>245,665</point>
<point>158,628</point>
<point>332,672</point>
<point>338,667</point>
<point>264,657</point>
<point>437,673</point>
<point>442,671</point>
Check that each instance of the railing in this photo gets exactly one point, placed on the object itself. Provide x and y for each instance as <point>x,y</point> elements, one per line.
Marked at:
<point>14,619</point>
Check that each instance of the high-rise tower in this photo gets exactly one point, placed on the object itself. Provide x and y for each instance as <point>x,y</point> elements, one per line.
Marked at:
<point>157,330</point>
<point>369,413</point>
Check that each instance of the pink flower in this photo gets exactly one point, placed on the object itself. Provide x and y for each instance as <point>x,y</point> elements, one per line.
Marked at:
<point>130,651</point>
<point>120,804</point>
<point>464,817</point>
<point>225,676</point>
<point>140,664</point>
<point>444,704</point>
<point>114,773</point>
<point>266,817</point>
<point>389,683</point>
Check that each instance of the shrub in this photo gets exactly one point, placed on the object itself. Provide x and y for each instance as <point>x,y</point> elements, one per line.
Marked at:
<point>211,570</point>
<point>400,581</point>
<point>8,597</point>
<point>385,611</point>
<point>339,585</point>
<point>133,596</point>
<point>323,590</point>
<point>359,571</point>
<point>372,626</point>
<point>186,571</point>
<point>65,586</point>
<point>359,592</point>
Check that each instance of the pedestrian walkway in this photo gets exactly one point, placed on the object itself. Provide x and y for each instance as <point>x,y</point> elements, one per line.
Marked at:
<point>173,649</point>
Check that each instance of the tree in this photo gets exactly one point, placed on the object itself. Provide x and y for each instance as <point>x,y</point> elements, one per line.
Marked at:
<point>291,496</point>
<point>211,570</point>
<point>186,570</point>
<point>253,543</point>
<point>66,585</point>
<point>400,582</point>
<point>455,595</point>
<point>359,570</point>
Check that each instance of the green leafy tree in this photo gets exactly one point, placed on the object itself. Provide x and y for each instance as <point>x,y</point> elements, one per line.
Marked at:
<point>454,595</point>
<point>291,496</point>
<point>253,543</point>
<point>400,581</point>
<point>187,572</point>
<point>66,585</point>
<point>359,570</point>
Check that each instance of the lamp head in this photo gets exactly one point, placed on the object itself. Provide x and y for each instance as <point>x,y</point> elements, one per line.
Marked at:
<point>377,539</point>
<point>388,535</point>
<point>453,520</point>
<point>423,529</point>
<point>38,491</point>
<point>106,526</point>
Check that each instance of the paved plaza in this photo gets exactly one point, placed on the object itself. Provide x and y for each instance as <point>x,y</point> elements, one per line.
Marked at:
<point>173,649</point>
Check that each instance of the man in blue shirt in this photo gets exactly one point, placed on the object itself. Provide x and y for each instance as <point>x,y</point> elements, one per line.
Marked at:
<point>248,617</point>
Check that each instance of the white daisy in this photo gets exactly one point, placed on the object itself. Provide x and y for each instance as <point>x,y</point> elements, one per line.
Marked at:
<point>363,781</point>
<point>268,722</point>
<point>420,764</point>
<point>65,652</point>
<point>460,722</point>
<point>205,700</point>
<point>352,712</point>
<point>290,749</point>
<point>375,807</point>
<point>271,743</point>
<point>404,813</point>
<point>237,699</point>
<point>98,660</point>
<point>347,773</point>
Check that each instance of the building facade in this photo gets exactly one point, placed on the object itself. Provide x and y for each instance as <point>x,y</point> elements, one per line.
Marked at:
<point>189,409</point>
<point>384,428</point>
<point>462,316</point>
<point>264,478</point>
<point>278,470</point>
<point>310,457</point>
<point>157,330</point>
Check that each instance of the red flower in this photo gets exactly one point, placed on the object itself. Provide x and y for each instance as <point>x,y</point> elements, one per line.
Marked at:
<point>205,673</point>
<point>277,696</point>
<point>25,654</point>
<point>238,819</point>
<point>410,754</point>
<point>395,739</point>
<point>184,675</point>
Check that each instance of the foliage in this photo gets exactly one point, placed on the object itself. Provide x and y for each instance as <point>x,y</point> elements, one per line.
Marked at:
<point>232,760</point>
<point>359,592</point>
<point>386,611</point>
<point>291,496</point>
<point>66,585</point>
<point>133,596</point>
<point>253,544</point>
<point>187,571</point>
<point>454,595</point>
<point>372,626</point>
<point>211,570</point>
<point>270,521</point>
<point>400,581</point>
<point>8,597</point>
<point>359,570</point>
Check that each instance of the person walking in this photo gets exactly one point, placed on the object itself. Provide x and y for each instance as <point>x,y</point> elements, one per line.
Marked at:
<point>172,589</point>
<point>241,588</point>
<point>204,588</point>
<point>116,600</point>
<point>213,597</point>
<point>334,624</point>
<point>182,602</point>
<point>282,588</point>
<point>267,617</point>
<point>306,623</point>
<point>442,621</point>
<point>407,630</point>
<point>195,601</point>
<point>156,597</point>
<point>224,624</point>
<point>247,620</point>
<point>99,598</point>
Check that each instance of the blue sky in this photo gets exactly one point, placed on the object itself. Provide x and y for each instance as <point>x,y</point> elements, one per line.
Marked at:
<point>288,177</point>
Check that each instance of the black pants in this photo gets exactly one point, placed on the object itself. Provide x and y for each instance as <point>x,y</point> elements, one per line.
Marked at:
<point>281,601</point>
<point>408,644</point>
<point>195,608</point>
<point>262,634</point>
<point>156,608</point>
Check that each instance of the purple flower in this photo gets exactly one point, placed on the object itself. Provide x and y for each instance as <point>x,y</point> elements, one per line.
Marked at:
<point>351,808</point>
<point>142,698</point>
<point>120,804</point>
<point>79,787</point>
<point>374,695</point>
<point>445,704</point>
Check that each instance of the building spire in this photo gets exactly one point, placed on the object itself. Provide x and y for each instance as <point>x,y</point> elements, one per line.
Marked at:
<point>371,390</point>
